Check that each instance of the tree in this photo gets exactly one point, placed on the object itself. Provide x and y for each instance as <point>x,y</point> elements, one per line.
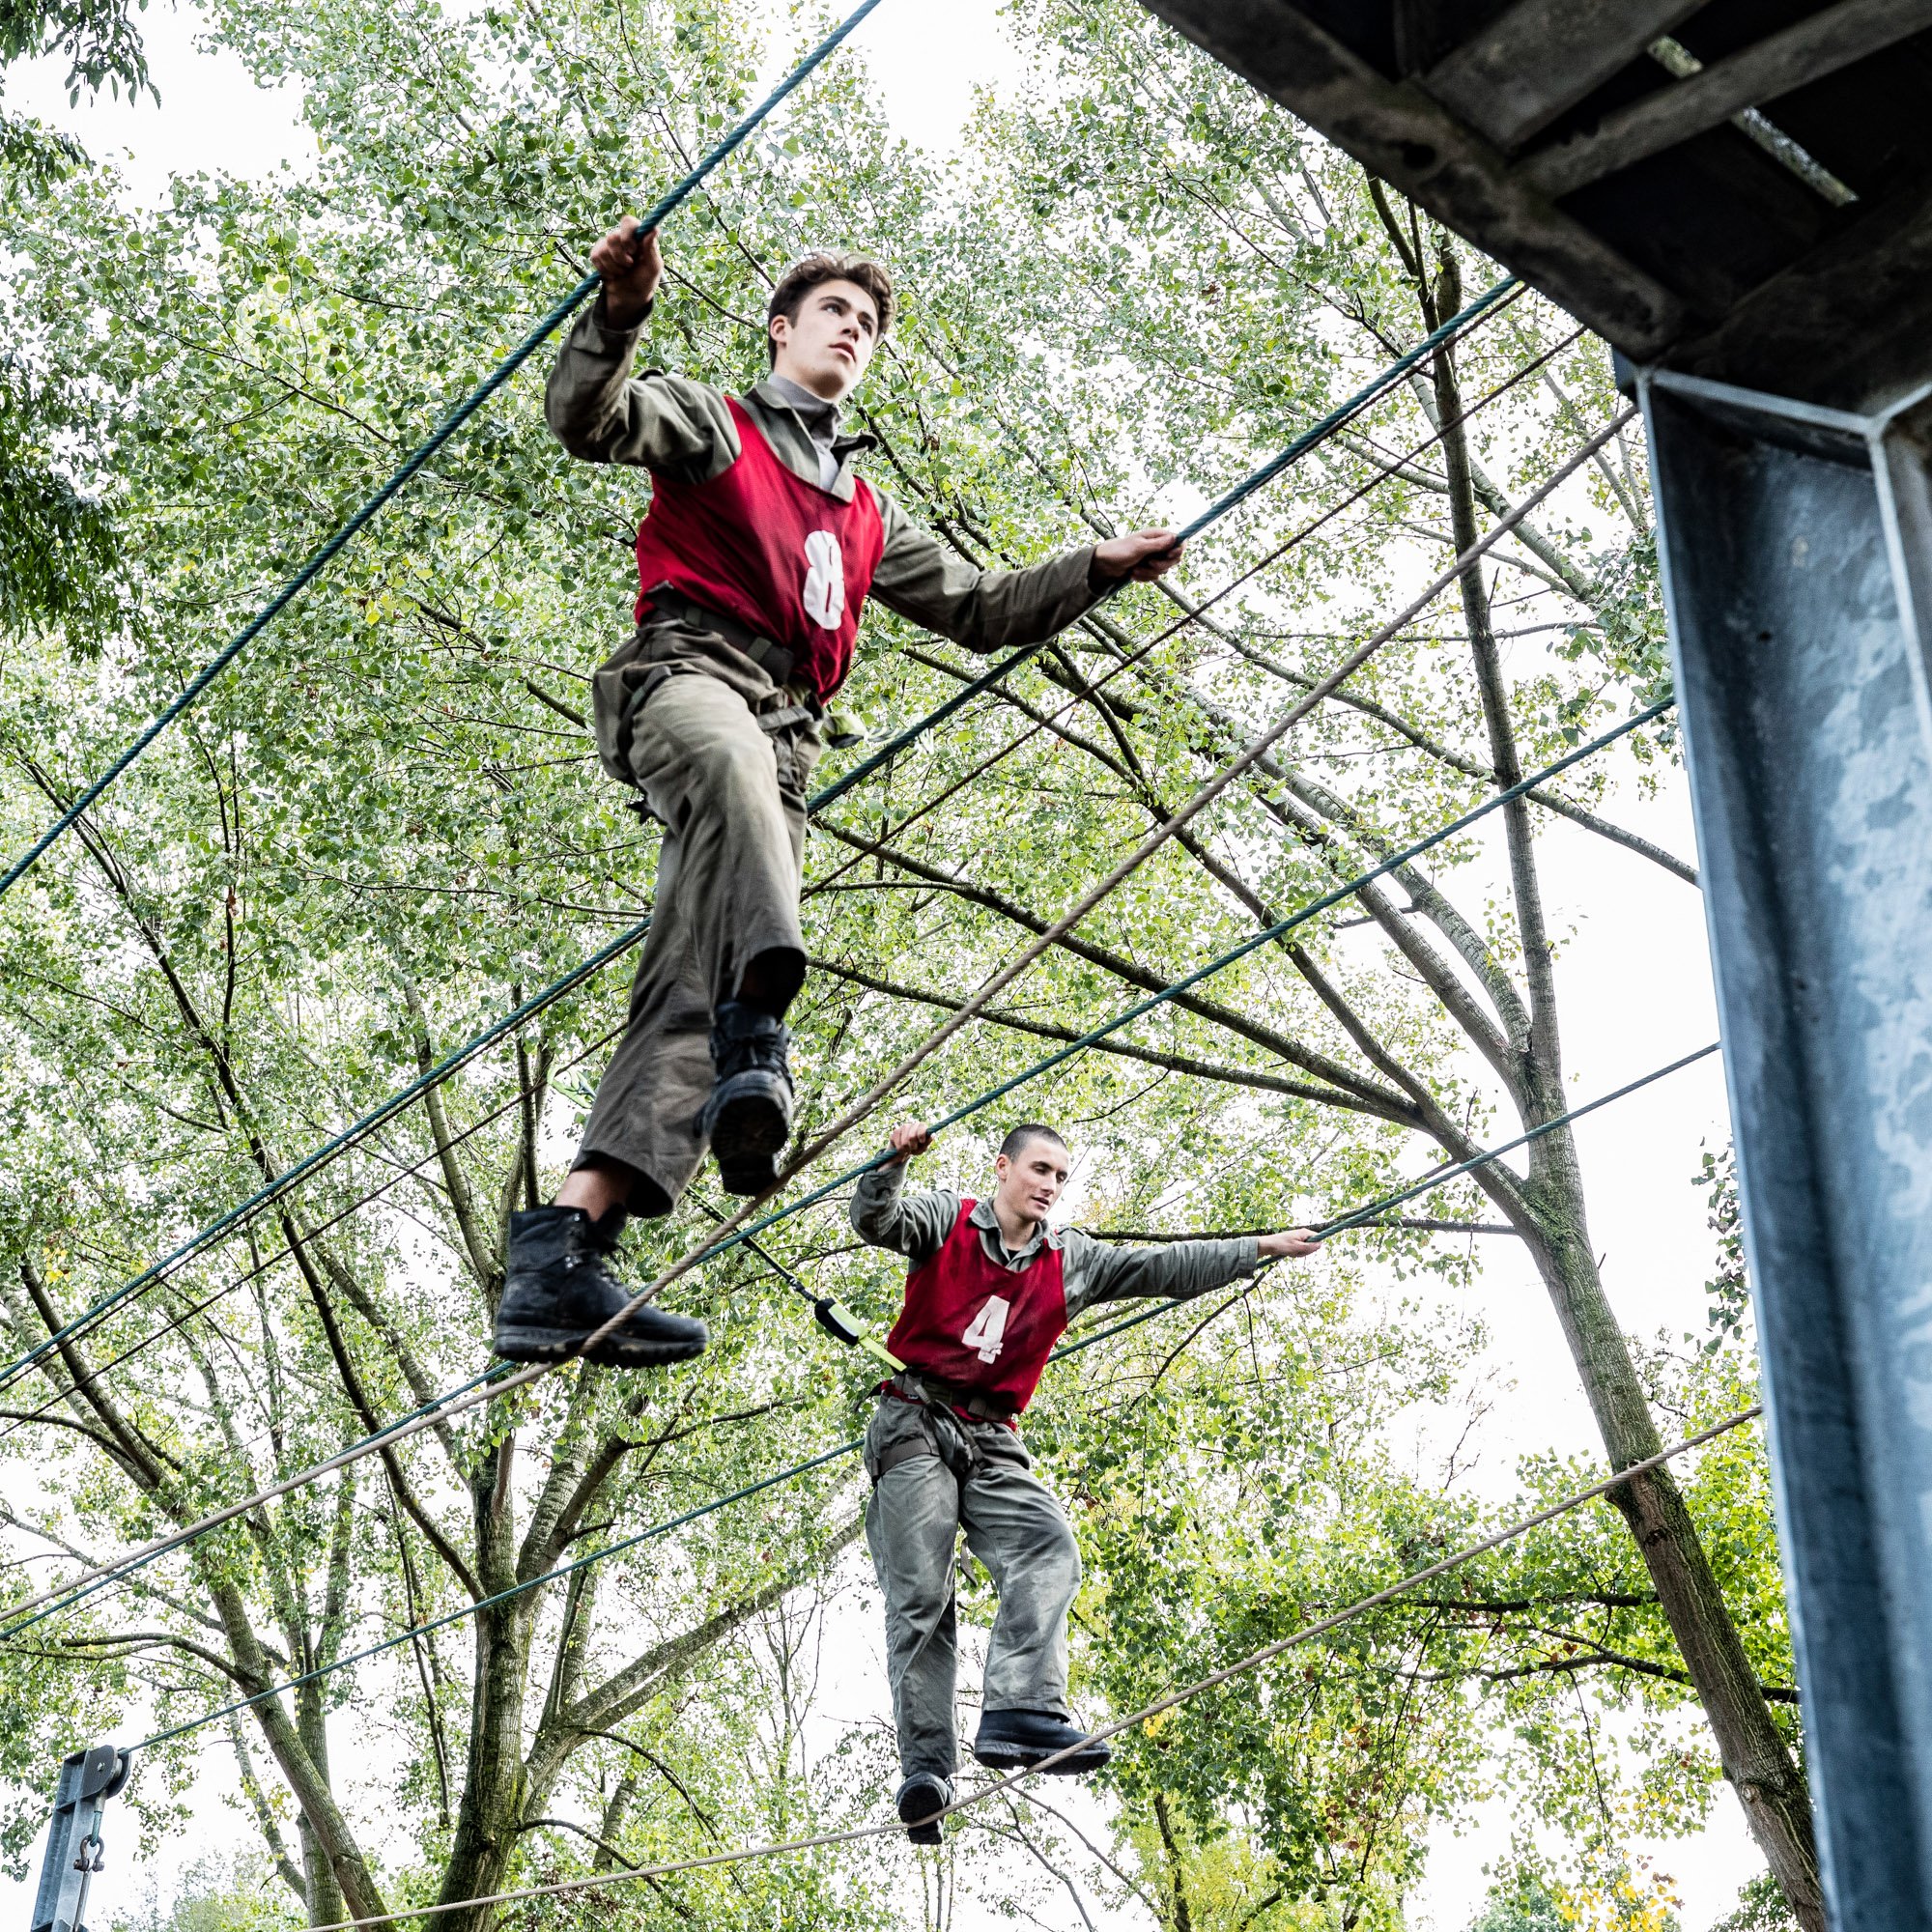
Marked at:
<point>386,827</point>
<point>57,550</point>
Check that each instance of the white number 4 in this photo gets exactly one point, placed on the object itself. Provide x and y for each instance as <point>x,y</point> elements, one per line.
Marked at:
<point>987,1328</point>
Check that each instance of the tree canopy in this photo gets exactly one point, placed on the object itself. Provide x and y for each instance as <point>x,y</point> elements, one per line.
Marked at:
<point>386,827</point>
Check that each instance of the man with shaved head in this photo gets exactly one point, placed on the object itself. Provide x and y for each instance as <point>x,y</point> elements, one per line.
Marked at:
<point>991,1288</point>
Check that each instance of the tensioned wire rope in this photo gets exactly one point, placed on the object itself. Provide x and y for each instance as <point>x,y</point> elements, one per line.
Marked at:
<point>452,421</point>
<point>1360,1216</point>
<point>405,1171</point>
<point>495,1381</point>
<point>1123,663</point>
<point>428,1411</point>
<point>338,1144</point>
<point>1170,1700</point>
<point>735,1231</point>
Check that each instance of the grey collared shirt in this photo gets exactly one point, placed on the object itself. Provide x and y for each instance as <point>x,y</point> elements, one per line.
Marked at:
<point>603,413</point>
<point>914,1225</point>
<point>821,423</point>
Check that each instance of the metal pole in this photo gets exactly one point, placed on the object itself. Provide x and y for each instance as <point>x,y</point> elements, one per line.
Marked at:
<point>1797,549</point>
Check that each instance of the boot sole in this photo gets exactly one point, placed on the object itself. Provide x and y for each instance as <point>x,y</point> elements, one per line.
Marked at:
<point>913,1807</point>
<point>1013,1757</point>
<point>559,1344</point>
<point>746,1138</point>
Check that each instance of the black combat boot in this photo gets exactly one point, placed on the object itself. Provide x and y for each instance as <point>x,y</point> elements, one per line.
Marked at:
<point>1012,1740</point>
<point>922,1797</point>
<point>748,1117</point>
<point>560,1289</point>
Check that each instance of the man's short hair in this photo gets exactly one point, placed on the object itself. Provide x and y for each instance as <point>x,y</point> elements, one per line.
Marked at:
<point>1025,1134</point>
<point>813,271</point>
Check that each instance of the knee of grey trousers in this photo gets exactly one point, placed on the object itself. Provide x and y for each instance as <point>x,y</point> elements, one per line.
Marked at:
<point>1015,1527</point>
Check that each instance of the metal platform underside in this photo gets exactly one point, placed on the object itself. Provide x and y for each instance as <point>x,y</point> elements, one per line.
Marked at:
<point>1719,189</point>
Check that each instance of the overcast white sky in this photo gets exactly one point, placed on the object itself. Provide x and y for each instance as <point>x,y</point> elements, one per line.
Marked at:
<point>1635,982</point>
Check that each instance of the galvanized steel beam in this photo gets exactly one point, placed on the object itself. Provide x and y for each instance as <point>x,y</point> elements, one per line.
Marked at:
<point>1797,552</point>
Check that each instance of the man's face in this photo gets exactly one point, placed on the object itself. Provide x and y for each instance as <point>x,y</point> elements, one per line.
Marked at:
<point>1031,1180</point>
<point>827,348</point>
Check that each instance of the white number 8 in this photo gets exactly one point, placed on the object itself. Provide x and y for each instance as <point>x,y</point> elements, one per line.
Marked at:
<point>987,1328</point>
<point>824,595</point>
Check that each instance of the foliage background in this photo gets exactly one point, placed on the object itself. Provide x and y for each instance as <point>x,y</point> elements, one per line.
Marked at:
<point>381,809</point>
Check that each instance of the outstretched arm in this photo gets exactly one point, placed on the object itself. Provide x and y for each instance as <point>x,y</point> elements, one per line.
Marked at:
<point>1098,1271</point>
<point>995,609</point>
<point>602,412</point>
<point>884,1214</point>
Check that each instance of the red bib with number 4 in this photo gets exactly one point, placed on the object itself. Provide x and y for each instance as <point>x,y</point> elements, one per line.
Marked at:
<point>971,1321</point>
<point>787,559</point>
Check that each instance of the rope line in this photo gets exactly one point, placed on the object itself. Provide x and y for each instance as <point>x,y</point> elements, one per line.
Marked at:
<point>342,1142</point>
<point>283,1253</point>
<point>1204,796</point>
<point>1200,1687</point>
<point>451,422</point>
<point>1357,1217</point>
<point>459,1399</point>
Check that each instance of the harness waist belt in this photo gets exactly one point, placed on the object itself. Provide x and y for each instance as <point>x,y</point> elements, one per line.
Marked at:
<point>916,1385</point>
<point>774,660</point>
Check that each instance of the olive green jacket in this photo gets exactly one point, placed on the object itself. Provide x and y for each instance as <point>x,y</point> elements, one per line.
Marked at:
<point>916,1225</point>
<point>603,413</point>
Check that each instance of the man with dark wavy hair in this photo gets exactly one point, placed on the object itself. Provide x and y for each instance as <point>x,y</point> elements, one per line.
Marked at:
<point>990,1289</point>
<point>758,551</point>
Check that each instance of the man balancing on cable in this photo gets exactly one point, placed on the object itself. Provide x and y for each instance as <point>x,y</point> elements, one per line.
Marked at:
<point>991,1291</point>
<point>757,555</point>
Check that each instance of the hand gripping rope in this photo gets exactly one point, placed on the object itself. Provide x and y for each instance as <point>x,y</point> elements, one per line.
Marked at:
<point>453,421</point>
<point>339,1144</point>
<point>498,1381</point>
<point>1436,1177</point>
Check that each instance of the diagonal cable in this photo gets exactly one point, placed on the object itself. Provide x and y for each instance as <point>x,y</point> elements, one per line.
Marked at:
<point>1359,1217</point>
<point>320,560</point>
<point>1173,1699</point>
<point>341,1143</point>
<point>472,1394</point>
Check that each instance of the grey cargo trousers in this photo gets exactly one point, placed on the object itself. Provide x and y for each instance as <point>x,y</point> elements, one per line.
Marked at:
<point>723,758</point>
<point>1014,1526</point>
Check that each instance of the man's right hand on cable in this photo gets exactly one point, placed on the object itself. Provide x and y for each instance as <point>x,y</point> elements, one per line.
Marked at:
<point>1290,1242</point>
<point>631,266</point>
<point>910,1137</point>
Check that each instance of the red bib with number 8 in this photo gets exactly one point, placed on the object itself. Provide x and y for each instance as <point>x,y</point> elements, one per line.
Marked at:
<point>787,559</point>
<point>971,1321</point>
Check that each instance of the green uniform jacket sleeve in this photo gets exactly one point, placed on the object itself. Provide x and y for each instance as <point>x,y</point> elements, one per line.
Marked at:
<point>1100,1271</point>
<point>913,1225</point>
<point>603,414</point>
<point>984,610</point>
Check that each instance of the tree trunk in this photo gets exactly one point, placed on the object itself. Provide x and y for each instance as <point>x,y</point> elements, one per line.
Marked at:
<point>1755,1758</point>
<point>492,1804</point>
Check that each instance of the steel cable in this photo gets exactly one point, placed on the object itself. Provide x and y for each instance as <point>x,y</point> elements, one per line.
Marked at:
<point>470,1394</point>
<point>1357,1217</point>
<point>1200,1687</point>
<point>451,422</point>
<point>339,1144</point>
